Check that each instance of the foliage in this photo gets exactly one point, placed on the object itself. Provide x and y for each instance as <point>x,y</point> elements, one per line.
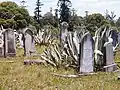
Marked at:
<point>38,11</point>
<point>118,22</point>
<point>110,18</point>
<point>95,21</point>
<point>77,20</point>
<point>13,16</point>
<point>49,19</point>
<point>64,10</point>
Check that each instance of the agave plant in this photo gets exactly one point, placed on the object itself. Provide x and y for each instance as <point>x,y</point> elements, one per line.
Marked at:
<point>64,54</point>
<point>46,36</point>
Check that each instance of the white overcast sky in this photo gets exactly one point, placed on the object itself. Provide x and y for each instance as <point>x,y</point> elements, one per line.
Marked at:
<point>93,6</point>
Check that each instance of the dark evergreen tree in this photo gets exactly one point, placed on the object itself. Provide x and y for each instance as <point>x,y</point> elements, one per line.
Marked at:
<point>64,10</point>
<point>118,22</point>
<point>56,13</point>
<point>38,11</point>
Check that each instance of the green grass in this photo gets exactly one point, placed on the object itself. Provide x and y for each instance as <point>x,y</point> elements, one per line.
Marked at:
<point>16,76</point>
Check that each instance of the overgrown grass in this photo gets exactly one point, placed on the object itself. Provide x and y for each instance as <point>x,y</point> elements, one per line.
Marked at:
<point>16,76</point>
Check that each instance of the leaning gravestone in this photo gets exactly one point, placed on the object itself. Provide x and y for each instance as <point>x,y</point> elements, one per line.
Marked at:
<point>86,54</point>
<point>9,43</point>
<point>109,58</point>
<point>29,44</point>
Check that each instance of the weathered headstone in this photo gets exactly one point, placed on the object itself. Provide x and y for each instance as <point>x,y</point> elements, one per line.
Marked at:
<point>20,40</point>
<point>114,37</point>
<point>109,58</point>
<point>1,45</point>
<point>119,39</point>
<point>63,32</point>
<point>86,54</point>
<point>9,43</point>
<point>29,44</point>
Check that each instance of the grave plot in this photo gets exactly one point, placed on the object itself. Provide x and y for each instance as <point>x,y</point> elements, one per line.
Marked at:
<point>83,52</point>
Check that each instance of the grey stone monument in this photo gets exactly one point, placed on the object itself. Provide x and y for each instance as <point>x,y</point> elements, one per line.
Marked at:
<point>63,32</point>
<point>1,44</point>
<point>109,57</point>
<point>20,40</point>
<point>119,39</point>
<point>29,43</point>
<point>114,37</point>
<point>9,43</point>
<point>86,62</point>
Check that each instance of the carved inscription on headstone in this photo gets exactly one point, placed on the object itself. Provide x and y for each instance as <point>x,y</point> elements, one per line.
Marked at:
<point>87,59</point>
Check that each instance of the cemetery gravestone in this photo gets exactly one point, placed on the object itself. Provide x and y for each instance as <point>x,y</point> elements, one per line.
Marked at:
<point>86,54</point>
<point>29,44</point>
<point>114,37</point>
<point>119,39</point>
<point>1,44</point>
<point>20,41</point>
<point>63,33</point>
<point>9,43</point>
<point>109,56</point>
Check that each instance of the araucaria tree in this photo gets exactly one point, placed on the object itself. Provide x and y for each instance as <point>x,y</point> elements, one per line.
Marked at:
<point>64,6</point>
<point>38,11</point>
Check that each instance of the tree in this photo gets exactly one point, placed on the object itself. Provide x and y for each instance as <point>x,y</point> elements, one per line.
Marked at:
<point>110,17</point>
<point>75,19</point>
<point>64,10</point>
<point>118,22</point>
<point>38,11</point>
<point>95,21</point>
<point>56,18</point>
<point>13,16</point>
<point>56,13</point>
<point>49,19</point>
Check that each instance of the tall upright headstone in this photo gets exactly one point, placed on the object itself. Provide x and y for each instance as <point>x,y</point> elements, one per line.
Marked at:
<point>20,40</point>
<point>9,43</point>
<point>114,37</point>
<point>1,44</point>
<point>86,62</point>
<point>109,57</point>
<point>119,39</point>
<point>29,43</point>
<point>63,32</point>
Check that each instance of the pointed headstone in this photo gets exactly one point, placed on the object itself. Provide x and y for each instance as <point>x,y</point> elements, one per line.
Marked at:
<point>29,43</point>
<point>114,37</point>
<point>20,40</point>
<point>109,56</point>
<point>86,54</point>
<point>63,32</point>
